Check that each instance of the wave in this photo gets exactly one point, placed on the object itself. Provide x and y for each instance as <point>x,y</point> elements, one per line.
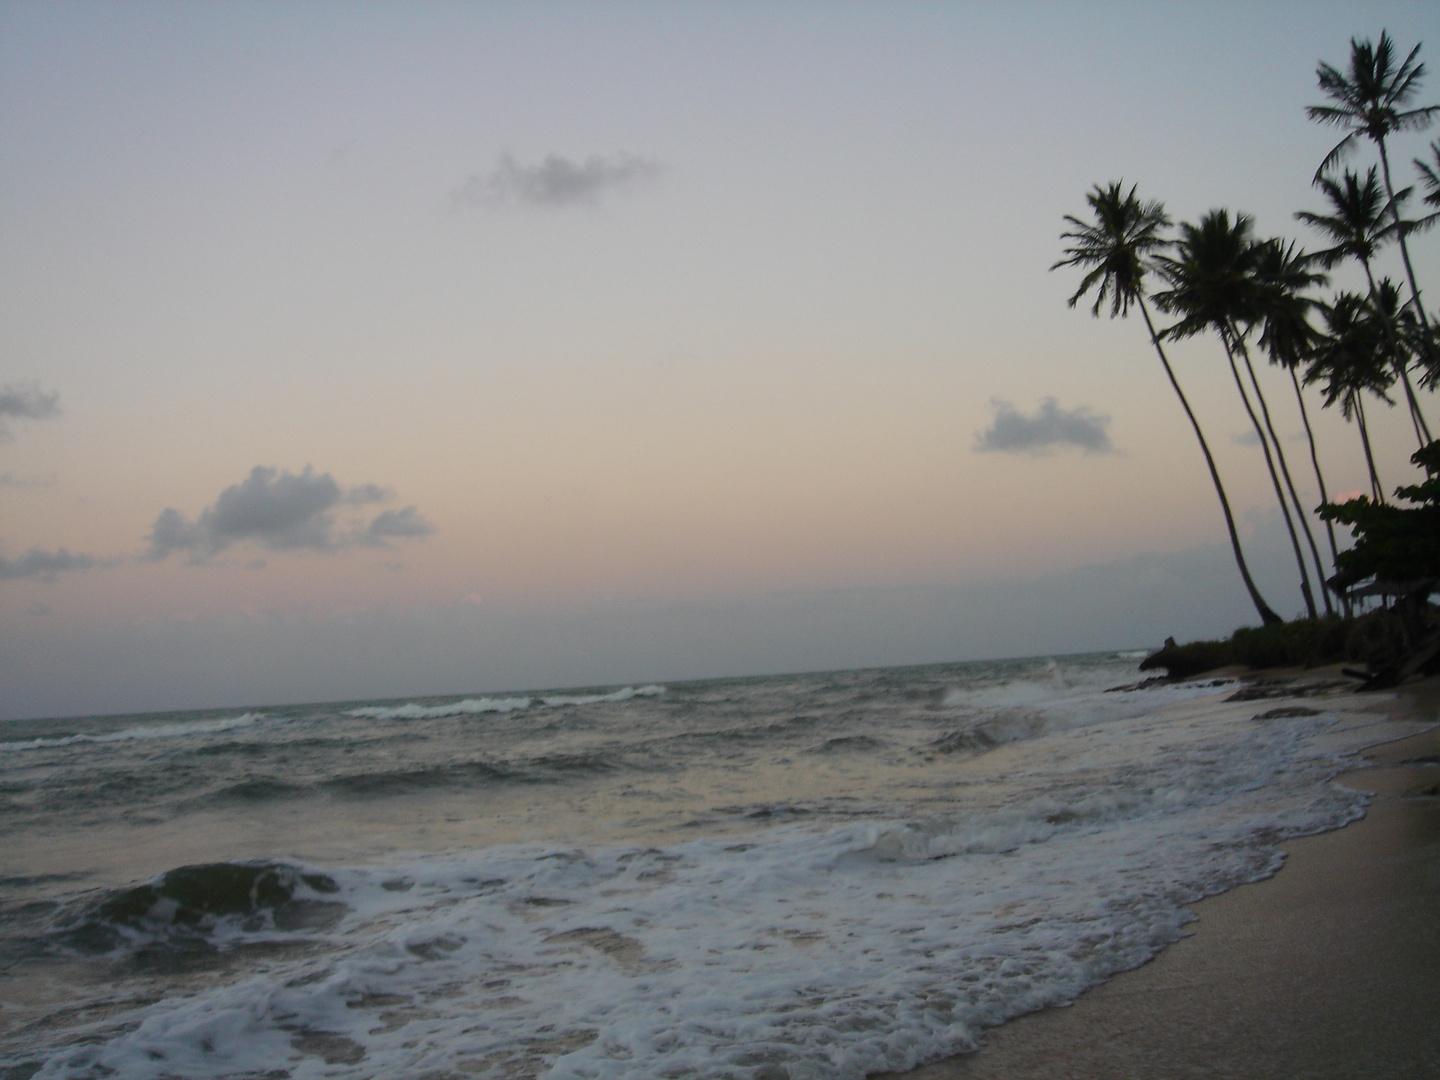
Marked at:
<point>476,706</point>
<point>626,694</point>
<point>258,790</point>
<point>421,778</point>
<point>413,711</point>
<point>161,731</point>
<point>201,909</point>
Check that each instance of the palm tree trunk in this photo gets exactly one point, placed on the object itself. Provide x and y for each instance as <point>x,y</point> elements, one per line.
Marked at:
<point>1285,472</point>
<point>1274,476</point>
<point>1266,613</point>
<point>1397,361</point>
<point>1427,339</point>
<point>1319,478</point>
<point>1375,488</point>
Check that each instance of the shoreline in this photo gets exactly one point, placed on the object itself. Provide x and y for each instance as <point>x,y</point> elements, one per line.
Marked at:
<point>1328,969</point>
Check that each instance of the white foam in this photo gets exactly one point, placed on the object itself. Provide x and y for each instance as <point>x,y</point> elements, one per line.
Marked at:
<point>625,694</point>
<point>832,952</point>
<point>157,731</point>
<point>468,707</point>
<point>475,706</point>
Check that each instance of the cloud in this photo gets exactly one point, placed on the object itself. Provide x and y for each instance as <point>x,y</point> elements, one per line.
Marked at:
<point>284,511</point>
<point>1051,426</point>
<point>26,401</point>
<point>44,565</point>
<point>555,182</point>
<point>406,524</point>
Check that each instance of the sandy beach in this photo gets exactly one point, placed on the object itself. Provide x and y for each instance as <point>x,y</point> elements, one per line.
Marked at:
<point>1329,969</point>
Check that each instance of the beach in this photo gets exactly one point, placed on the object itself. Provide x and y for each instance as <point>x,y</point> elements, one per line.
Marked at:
<point>1329,969</point>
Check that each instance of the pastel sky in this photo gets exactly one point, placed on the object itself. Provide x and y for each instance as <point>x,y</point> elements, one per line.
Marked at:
<point>385,349</point>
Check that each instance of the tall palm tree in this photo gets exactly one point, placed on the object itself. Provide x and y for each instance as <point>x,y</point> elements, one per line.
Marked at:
<point>1360,224</point>
<point>1373,100</point>
<point>1212,287</point>
<point>1289,340</point>
<point>1350,359</point>
<point>1116,249</point>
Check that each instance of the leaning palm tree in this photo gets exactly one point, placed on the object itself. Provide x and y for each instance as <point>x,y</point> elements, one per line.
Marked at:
<point>1116,249</point>
<point>1212,287</point>
<point>1373,100</point>
<point>1361,222</point>
<point>1289,340</point>
<point>1350,359</point>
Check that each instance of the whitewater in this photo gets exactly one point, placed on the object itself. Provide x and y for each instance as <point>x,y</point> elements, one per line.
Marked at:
<point>819,875</point>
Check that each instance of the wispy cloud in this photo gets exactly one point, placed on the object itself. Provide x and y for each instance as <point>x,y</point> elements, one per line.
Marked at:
<point>1050,426</point>
<point>25,401</point>
<point>285,511</point>
<point>40,480</point>
<point>44,565</point>
<point>555,182</point>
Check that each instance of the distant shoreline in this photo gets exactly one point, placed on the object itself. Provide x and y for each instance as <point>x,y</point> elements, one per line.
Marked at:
<point>1327,969</point>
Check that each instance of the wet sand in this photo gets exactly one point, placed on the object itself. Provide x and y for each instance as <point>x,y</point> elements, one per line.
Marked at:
<point>1328,970</point>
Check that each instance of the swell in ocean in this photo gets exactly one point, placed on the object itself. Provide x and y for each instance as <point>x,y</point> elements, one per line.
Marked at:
<point>817,875</point>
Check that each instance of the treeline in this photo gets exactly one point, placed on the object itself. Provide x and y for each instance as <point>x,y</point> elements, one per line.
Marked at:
<point>1265,299</point>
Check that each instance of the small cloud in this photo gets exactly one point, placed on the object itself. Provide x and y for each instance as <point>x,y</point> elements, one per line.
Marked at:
<point>1050,426</point>
<point>406,524</point>
<point>555,181</point>
<point>44,565</point>
<point>1248,437</point>
<point>283,511</point>
<point>26,401</point>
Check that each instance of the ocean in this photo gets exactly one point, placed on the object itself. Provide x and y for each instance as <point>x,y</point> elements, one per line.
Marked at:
<point>799,876</point>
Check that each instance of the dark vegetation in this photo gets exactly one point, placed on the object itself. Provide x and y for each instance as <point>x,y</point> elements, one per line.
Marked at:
<point>1375,640</point>
<point>1375,346</point>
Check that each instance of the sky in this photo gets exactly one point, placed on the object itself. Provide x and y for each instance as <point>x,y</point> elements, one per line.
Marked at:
<point>383,350</point>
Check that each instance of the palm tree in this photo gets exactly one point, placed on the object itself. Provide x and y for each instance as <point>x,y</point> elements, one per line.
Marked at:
<point>1350,360</point>
<point>1357,229</point>
<point>1288,339</point>
<point>1430,355</point>
<point>1212,287</point>
<point>1372,100</point>
<point>1115,250</point>
<point>1430,177</point>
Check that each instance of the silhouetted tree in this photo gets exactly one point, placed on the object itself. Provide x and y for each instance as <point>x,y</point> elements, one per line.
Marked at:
<point>1115,250</point>
<point>1350,359</point>
<point>1373,100</point>
<point>1361,222</point>
<point>1284,274</point>
<point>1213,287</point>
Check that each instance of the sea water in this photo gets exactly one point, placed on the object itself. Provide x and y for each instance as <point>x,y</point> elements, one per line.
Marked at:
<point>818,875</point>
